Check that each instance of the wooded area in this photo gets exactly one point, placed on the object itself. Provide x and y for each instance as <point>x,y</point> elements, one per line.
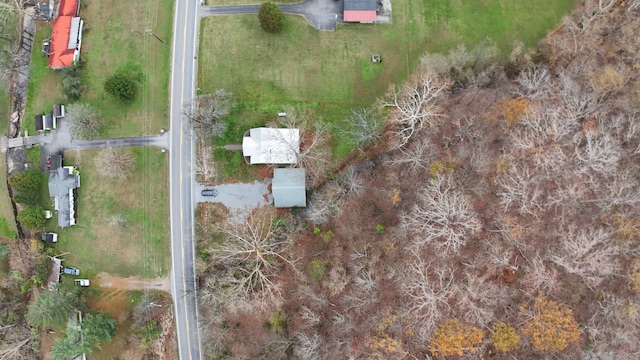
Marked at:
<point>495,214</point>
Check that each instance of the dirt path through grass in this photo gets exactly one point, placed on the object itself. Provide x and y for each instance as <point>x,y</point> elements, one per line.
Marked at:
<point>132,283</point>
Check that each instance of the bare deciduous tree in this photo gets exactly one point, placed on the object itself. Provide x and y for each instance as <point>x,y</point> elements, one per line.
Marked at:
<point>204,165</point>
<point>85,120</point>
<point>416,155</point>
<point>534,81</point>
<point>365,126</point>
<point>314,154</point>
<point>415,107</point>
<point>429,291</point>
<point>325,204</point>
<point>589,253</point>
<point>519,188</point>
<point>206,113</point>
<point>115,163</point>
<point>252,252</point>
<point>443,216</point>
<point>17,348</point>
<point>308,346</point>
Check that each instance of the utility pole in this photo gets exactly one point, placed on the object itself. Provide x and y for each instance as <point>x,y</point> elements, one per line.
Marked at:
<point>152,33</point>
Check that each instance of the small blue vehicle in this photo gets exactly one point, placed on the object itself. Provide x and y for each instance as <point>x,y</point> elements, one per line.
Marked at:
<point>71,271</point>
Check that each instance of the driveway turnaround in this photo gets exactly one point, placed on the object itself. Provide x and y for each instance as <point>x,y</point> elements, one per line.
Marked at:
<point>60,139</point>
<point>238,198</point>
<point>321,14</point>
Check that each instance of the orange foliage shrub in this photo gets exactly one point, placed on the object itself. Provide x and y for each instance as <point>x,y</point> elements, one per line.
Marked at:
<point>551,325</point>
<point>513,110</point>
<point>456,338</point>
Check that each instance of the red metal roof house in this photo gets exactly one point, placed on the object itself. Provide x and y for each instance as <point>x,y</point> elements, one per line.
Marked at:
<point>363,11</point>
<point>66,36</point>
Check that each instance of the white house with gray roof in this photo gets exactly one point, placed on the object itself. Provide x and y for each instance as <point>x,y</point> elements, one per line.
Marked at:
<point>271,146</point>
<point>63,180</point>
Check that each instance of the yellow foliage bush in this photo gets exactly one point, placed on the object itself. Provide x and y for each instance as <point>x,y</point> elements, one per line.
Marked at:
<point>551,325</point>
<point>442,167</point>
<point>386,345</point>
<point>504,337</point>
<point>606,80</point>
<point>514,109</point>
<point>456,338</point>
<point>634,277</point>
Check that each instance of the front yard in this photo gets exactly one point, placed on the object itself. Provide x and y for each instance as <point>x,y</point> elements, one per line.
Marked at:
<point>100,242</point>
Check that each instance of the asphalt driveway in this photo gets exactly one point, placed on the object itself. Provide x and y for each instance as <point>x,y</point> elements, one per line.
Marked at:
<point>321,14</point>
<point>239,198</point>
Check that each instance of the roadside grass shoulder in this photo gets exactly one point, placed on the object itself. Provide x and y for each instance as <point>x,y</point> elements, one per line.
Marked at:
<point>328,73</point>
<point>138,248</point>
<point>8,227</point>
<point>120,43</point>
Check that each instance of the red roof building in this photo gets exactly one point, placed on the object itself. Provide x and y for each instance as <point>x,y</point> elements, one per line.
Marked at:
<point>66,36</point>
<point>68,8</point>
<point>364,11</point>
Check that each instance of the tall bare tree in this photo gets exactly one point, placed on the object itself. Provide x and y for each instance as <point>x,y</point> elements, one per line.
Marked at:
<point>85,120</point>
<point>415,107</point>
<point>207,112</point>
<point>115,163</point>
<point>252,252</point>
<point>314,154</point>
<point>442,216</point>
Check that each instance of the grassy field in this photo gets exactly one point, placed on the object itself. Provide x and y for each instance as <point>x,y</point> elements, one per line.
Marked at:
<point>330,72</point>
<point>113,42</point>
<point>141,247</point>
<point>7,221</point>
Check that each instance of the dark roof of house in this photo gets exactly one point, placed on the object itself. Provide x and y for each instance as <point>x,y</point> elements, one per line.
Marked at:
<point>360,5</point>
<point>54,279</point>
<point>48,121</point>
<point>44,12</point>
<point>61,184</point>
<point>58,110</point>
<point>39,122</point>
<point>55,162</point>
<point>288,188</point>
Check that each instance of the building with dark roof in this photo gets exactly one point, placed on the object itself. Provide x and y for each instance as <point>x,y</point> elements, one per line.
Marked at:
<point>364,11</point>
<point>63,180</point>
<point>40,122</point>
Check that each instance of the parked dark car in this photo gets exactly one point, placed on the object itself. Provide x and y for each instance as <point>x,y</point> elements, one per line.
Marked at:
<point>71,271</point>
<point>209,192</point>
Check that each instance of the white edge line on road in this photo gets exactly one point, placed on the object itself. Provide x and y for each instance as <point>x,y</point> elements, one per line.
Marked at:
<point>184,280</point>
<point>174,289</point>
<point>194,76</point>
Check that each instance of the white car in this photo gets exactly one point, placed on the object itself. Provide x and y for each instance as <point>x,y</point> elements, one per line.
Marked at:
<point>81,282</point>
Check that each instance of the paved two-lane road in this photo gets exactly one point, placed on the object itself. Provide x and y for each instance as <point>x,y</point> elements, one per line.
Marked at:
<point>180,180</point>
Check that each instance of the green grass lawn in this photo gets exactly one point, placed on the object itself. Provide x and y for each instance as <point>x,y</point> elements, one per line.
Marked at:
<point>113,42</point>
<point>330,72</point>
<point>141,247</point>
<point>7,220</point>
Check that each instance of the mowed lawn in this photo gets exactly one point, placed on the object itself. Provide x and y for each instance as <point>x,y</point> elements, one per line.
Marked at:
<point>7,223</point>
<point>331,72</point>
<point>114,38</point>
<point>141,247</point>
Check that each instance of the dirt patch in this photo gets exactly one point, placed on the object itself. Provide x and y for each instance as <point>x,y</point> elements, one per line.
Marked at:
<point>132,283</point>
